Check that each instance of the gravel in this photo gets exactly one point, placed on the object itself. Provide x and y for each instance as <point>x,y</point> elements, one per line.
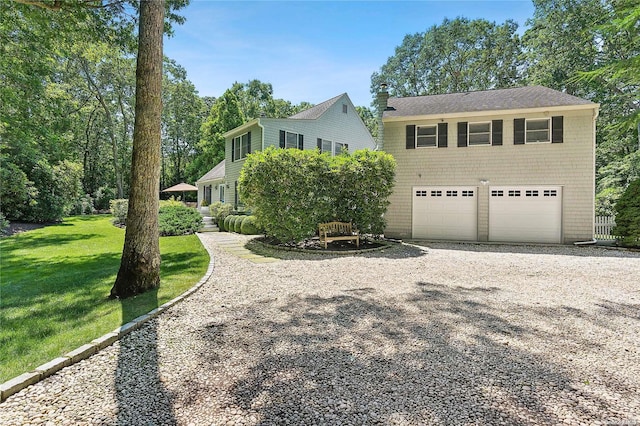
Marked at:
<point>455,334</point>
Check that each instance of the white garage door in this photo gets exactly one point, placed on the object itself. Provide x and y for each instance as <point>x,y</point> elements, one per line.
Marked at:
<point>525,214</point>
<point>445,213</point>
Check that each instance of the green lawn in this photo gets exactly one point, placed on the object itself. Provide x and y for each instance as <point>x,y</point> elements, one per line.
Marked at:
<point>55,282</point>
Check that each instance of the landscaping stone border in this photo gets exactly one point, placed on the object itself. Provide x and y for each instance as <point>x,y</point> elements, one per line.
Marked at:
<point>20,382</point>
<point>384,245</point>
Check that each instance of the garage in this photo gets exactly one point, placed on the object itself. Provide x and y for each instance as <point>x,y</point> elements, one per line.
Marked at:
<point>525,214</point>
<point>445,213</point>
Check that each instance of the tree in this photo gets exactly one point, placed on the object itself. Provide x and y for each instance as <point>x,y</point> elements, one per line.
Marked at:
<point>458,55</point>
<point>628,215</point>
<point>369,119</point>
<point>140,264</point>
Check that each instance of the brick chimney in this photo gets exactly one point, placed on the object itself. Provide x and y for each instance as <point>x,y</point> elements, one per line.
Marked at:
<point>381,103</point>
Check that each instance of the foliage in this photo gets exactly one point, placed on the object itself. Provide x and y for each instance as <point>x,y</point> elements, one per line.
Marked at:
<point>4,224</point>
<point>237,223</point>
<point>228,223</point>
<point>60,186</point>
<point>256,99</point>
<point>119,209</point>
<point>455,56</point>
<point>178,220</point>
<point>204,203</point>
<point>249,226</point>
<point>369,119</point>
<point>17,193</point>
<point>219,211</point>
<point>54,282</point>
<point>171,202</point>
<point>83,205</point>
<point>628,215</point>
<point>292,190</point>
<point>102,198</point>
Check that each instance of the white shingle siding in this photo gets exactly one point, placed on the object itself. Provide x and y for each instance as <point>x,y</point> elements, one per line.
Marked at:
<point>569,164</point>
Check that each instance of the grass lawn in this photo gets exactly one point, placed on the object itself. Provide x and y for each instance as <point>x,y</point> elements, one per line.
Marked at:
<point>55,282</point>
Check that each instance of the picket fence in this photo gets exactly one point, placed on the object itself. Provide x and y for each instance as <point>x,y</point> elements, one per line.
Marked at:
<point>604,227</point>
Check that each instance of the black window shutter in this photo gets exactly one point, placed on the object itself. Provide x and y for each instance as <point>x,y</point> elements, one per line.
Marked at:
<point>518,131</point>
<point>462,134</point>
<point>233,149</point>
<point>411,136</point>
<point>443,128</point>
<point>320,144</point>
<point>300,142</point>
<point>556,129</point>
<point>282,136</point>
<point>496,132</point>
<point>249,143</point>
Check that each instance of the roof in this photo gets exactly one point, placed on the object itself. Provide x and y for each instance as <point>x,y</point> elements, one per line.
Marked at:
<point>316,111</point>
<point>487,100</point>
<point>216,173</point>
<point>180,188</point>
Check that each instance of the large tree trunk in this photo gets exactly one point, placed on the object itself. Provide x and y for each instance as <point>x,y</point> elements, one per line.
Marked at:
<point>140,264</point>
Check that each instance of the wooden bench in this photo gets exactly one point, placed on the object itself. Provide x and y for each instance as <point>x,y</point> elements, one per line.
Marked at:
<point>337,231</point>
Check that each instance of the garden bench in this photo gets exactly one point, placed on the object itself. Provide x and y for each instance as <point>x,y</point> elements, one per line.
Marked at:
<point>337,231</point>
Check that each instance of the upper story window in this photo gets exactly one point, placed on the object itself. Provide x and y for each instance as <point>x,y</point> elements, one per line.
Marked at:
<point>538,130</point>
<point>339,148</point>
<point>479,133</point>
<point>241,146</point>
<point>344,108</point>
<point>426,136</point>
<point>291,140</point>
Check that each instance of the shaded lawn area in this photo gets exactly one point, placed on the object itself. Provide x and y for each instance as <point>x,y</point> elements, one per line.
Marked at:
<point>55,283</point>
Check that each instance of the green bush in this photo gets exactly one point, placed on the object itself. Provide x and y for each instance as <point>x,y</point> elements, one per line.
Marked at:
<point>237,223</point>
<point>178,220</point>
<point>102,197</point>
<point>628,215</point>
<point>249,226</point>
<point>17,193</point>
<point>119,210</point>
<point>292,191</point>
<point>219,211</point>
<point>171,202</point>
<point>228,224</point>
<point>4,224</point>
<point>83,205</point>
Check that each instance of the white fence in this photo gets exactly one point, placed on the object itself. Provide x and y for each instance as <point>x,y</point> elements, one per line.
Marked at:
<point>604,225</point>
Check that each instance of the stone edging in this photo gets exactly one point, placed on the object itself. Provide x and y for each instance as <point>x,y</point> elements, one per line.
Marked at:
<point>385,244</point>
<point>16,384</point>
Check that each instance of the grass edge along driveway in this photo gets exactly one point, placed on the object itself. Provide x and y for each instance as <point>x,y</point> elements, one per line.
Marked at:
<point>55,282</point>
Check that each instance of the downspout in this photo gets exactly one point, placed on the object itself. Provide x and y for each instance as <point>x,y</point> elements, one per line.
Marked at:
<point>382,99</point>
<point>593,207</point>
<point>262,134</point>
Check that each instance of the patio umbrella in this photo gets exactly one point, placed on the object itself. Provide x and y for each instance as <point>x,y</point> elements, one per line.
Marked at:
<point>181,187</point>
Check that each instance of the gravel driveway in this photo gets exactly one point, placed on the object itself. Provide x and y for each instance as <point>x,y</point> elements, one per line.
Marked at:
<point>441,334</point>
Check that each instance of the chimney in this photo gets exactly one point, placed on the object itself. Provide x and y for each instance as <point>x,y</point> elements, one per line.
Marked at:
<point>381,103</point>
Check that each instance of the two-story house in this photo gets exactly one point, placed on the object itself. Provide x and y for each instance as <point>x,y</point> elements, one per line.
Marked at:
<point>330,126</point>
<point>513,165</point>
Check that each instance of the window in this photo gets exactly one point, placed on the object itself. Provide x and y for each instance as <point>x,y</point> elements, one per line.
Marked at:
<point>497,193</point>
<point>436,193</point>
<point>514,193</point>
<point>240,147</point>
<point>537,130</point>
<point>344,108</point>
<point>325,145</point>
<point>221,192</point>
<point>421,193</point>
<point>467,193</point>
<point>339,147</point>
<point>452,193</point>
<point>291,140</point>
<point>426,136</point>
<point>479,134</point>
<point>531,193</point>
<point>550,193</point>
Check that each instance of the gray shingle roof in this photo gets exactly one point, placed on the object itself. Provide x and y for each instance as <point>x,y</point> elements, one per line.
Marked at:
<point>216,173</point>
<point>488,100</point>
<point>316,111</point>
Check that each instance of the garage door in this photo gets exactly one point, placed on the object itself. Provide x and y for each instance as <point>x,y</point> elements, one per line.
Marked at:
<point>525,214</point>
<point>445,213</point>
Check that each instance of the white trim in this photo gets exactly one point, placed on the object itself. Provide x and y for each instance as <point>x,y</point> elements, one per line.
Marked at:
<point>485,113</point>
<point>233,150</point>
<point>242,128</point>
<point>489,143</point>
<point>435,126</point>
<point>549,130</point>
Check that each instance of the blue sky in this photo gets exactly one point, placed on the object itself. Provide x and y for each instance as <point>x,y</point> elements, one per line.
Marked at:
<point>310,50</point>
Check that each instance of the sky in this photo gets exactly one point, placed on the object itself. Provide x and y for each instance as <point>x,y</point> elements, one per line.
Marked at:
<point>310,50</point>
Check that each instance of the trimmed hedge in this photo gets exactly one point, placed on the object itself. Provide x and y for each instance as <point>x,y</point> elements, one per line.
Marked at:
<point>292,191</point>
<point>237,223</point>
<point>249,226</point>
<point>227,223</point>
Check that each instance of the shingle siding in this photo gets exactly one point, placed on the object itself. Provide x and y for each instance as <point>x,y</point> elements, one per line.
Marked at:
<point>569,164</point>
<point>232,168</point>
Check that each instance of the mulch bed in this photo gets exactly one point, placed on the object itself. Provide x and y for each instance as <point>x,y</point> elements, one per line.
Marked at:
<point>18,227</point>
<point>315,245</point>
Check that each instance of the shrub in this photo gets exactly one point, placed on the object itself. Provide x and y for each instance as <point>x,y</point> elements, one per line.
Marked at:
<point>102,197</point>
<point>84,205</point>
<point>628,215</point>
<point>119,210</point>
<point>228,224</point>
<point>178,220</point>
<point>17,193</point>
<point>204,203</point>
<point>237,223</point>
<point>249,226</point>
<point>58,189</point>
<point>4,224</point>
<point>171,202</point>
<point>219,211</point>
<point>292,190</point>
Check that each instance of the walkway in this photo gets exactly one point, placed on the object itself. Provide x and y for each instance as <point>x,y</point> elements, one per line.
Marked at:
<point>234,244</point>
